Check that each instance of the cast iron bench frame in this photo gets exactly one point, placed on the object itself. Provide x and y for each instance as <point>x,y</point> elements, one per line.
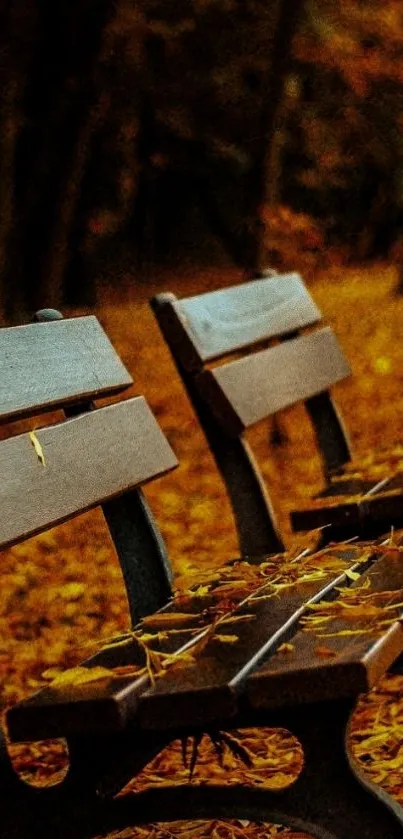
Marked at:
<point>108,742</point>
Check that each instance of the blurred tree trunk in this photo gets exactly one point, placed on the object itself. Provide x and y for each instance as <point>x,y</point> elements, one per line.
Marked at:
<point>48,108</point>
<point>102,103</point>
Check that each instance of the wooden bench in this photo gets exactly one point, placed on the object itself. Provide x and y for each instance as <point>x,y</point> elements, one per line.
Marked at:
<point>300,364</point>
<point>241,650</point>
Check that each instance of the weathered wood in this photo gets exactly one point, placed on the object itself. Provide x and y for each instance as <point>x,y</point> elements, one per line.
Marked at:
<point>191,695</point>
<point>254,515</point>
<point>369,514</point>
<point>61,362</point>
<point>106,705</point>
<point>220,322</point>
<point>353,486</point>
<point>229,398</point>
<point>353,663</point>
<point>87,459</point>
<point>242,392</point>
<point>139,545</point>
<point>209,690</point>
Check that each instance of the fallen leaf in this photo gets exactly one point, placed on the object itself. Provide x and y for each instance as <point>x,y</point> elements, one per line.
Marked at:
<point>37,446</point>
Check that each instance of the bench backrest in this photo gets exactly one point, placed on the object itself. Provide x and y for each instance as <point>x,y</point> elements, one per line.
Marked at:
<point>96,456</point>
<point>237,393</point>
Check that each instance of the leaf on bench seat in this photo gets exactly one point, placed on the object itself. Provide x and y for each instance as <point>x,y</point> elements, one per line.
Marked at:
<point>209,686</point>
<point>37,446</point>
<point>218,635</point>
<point>77,676</point>
<point>361,634</point>
<point>375,512</point>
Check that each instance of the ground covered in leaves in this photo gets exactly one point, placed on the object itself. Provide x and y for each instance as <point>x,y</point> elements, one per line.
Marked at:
<point>62,591</point>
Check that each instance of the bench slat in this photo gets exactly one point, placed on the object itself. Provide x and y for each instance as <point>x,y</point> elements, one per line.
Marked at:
<point>88,459</point>
<point>211,689</point>
<point>107,706</point>
<point>373,513</point>
<point>49,365</point>
<point>247,390</point>
<point>223,321</point>
<point>206,691</point>
<point>354,663</point>
<point>103,706</point>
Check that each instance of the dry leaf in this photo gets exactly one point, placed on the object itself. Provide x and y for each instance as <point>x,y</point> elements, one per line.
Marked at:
<point>78,676</point>
<point>168,619</point>
<point>37,446</point>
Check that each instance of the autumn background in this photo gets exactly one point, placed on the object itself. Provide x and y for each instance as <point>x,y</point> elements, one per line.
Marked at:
<point>141,150</point>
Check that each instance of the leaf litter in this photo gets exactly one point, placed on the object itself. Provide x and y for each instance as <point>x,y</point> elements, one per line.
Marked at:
<point>42,631</point>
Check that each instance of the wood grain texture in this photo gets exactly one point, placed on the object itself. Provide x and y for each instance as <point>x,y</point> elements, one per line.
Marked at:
<point>88,459</point>
<point>108,705</point>
<point>220,322</point>
<point>212,690</point>
<point>355,662</point>
<point>242,392</point>
<point>254,516</point>
<point>48,365</point>
<point>370,515</point>
<point>209,690</point>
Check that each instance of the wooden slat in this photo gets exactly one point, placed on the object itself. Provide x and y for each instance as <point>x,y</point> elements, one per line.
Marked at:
<point>88,459</point>
<point>226,320</point>
<point>371,514</point>
<point>354,486</point>
<point>107,706</point>
<point>355,662</point>
<point>245,391</point>
<point>207,691</point>
<point>48,365</point>
<point>103,706</point>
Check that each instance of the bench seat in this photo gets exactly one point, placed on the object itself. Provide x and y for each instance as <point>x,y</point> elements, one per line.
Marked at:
<point>248,644</point>
<point>243,648</point>
<point>362,506</point>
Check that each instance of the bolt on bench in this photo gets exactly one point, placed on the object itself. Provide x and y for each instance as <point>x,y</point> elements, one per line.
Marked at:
<point>362,497</point>
<point>245,648</point>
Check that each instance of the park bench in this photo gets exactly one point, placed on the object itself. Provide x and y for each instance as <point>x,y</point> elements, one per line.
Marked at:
<point>239,649</point>
<point>280,360</point>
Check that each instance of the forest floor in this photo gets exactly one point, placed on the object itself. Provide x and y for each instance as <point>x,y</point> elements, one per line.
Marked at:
<point>61,593</point>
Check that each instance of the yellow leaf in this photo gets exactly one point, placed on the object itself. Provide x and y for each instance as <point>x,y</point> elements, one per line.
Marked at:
<point>236,618</point>
<point>167,619</point>
<point>286,648</point>
<point>146,637</point>
<point>37,446</point>
<point>127,670</point>
<point>201,591</point>
<point>382,365</point>
<point>77,676</point>
<point>226,639</point>
<point>352,575</point>
<point>72,591</point>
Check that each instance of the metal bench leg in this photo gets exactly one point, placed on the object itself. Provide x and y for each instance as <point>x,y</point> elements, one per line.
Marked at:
<point>331,791</point>
<point>397,666</point>
<point>82,804</point>
<point>329,800</point>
